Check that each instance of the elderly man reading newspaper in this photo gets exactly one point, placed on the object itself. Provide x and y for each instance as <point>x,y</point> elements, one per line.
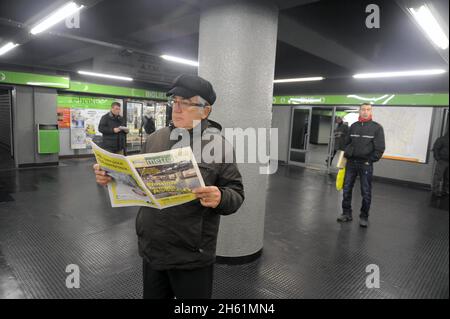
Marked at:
<point>178,244</point>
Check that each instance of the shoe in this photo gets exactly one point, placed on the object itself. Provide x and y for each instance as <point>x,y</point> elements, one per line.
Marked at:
<point>363,222</point>
<point>344,218</point>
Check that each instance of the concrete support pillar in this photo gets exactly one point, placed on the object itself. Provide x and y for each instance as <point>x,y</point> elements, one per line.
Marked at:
<point>237,45</point>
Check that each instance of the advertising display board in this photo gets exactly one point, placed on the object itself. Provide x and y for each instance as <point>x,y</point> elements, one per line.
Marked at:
<point>82,114</point>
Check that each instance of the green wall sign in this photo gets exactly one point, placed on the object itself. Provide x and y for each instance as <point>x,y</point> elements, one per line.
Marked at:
<point>421,99</point>
<point>64,84</point>
<point>22,78</point>
<point>84,102</point>
<point>84,87</point>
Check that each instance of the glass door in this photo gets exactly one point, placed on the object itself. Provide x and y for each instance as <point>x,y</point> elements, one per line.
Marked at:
<point>343,117</point>
<point>300,135</point>
<point>331,142</point>
<point>134,124</point>
<point>320,148</point>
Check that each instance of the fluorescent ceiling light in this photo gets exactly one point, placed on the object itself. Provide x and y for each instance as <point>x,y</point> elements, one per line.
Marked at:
<point>103,75</point>
<point>57,16</point>
<point>315,78</point>
<point>385,97</point>
<point>430,26</point>
<point>7,47</point>
<point>179,60</point>
<point>46,84</point>
<point>398,74</point>
<point>372,99</point>
<point>306,100</point>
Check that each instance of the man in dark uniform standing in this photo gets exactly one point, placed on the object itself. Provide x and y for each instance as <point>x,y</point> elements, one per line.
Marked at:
<point>112,127</point>
<point>364,145</point>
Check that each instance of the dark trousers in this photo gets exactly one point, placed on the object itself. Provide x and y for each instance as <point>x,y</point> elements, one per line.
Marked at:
<point>182,284</point>
<point>365,172</point>
<point>440,178</point>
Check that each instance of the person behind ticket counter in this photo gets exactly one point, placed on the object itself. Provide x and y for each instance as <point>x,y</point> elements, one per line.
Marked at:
<point>178,244</point>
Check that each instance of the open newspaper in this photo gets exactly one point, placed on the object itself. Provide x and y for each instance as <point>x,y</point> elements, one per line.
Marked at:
<point>158,180</point>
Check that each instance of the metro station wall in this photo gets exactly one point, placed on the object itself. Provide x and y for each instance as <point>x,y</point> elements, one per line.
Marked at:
<point>65,149</point>
<point>420,173</point>
<point>32,106</point>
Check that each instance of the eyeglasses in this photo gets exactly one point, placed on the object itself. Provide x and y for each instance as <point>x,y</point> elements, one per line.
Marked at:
<point>183,103</point>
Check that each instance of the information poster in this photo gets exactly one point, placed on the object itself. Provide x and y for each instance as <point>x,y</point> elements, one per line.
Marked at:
<point>82,114</point>
<point>63,117</point>
<point>78,129</point>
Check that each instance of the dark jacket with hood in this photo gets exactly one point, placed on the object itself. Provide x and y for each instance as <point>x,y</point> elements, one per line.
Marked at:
<point>112,142</point>
<point>365,142</point>
<point>185,236</point>
<point>440,148</point>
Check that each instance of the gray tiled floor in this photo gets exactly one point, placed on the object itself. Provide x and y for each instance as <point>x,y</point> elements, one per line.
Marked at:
<point>58,216</point>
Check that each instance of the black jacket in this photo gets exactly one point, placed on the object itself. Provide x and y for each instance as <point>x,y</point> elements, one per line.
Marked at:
<point>112,142</point>
<point>440,148</point>
<point>185,236</point>
<point>340,133</point>
<point>149,125</point>
<point>365,141</point>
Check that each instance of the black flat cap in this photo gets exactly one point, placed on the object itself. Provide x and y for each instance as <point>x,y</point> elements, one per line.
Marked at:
<point>188,86</point>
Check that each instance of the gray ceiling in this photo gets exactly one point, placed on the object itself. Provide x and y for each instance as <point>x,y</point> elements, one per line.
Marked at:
<point>327,38</point>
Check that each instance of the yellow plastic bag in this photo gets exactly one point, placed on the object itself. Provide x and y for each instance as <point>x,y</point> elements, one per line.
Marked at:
<point>340,179</point>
